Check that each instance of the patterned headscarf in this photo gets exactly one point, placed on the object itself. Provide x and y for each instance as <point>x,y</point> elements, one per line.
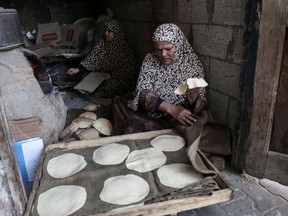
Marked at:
<point>164,79</point>
<point>114,57</point>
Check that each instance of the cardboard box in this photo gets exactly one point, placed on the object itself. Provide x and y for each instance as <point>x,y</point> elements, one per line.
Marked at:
<point>23,129</point>
<point>48,32</point>
<point>69,35</point>
<point>28,147</point>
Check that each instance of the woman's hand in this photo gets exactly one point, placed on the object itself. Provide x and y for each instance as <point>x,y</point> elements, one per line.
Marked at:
<point>106,76</point>
<point>73,71</point>
<point>182,115</point>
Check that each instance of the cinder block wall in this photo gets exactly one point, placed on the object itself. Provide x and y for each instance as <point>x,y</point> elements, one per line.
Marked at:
<point>214,28</point>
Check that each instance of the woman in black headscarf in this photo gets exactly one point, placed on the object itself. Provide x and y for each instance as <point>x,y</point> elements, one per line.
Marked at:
<point>114,57</point>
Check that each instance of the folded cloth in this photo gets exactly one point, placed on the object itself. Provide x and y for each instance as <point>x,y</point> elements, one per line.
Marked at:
<point>215,139</point>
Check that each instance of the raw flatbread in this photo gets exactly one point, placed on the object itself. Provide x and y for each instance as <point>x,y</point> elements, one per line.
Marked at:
<point>109,154</point>
<point>61,200</point>
<point>65,165</point>
<point>168,142</point>
<point>190,83</point>
<point>178,175</point>
<point>145,160</point>
<point>124,189</point>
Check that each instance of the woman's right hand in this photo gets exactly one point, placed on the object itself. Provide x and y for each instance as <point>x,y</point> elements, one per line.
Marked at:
<point>73,71</point>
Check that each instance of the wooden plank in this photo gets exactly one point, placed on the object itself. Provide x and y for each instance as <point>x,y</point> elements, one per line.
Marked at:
<point>173,206</point>
<point>80,144</point>
<point>279,137</point>
<point>277,169</point>
<point>16,186</point>
<point>269,56</point>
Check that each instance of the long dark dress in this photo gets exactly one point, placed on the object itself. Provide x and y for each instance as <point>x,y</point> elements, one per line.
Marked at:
<point>116,58</point>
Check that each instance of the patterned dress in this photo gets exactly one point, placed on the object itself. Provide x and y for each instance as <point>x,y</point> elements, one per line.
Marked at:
<point>115,58</point>
<point>158,82</point>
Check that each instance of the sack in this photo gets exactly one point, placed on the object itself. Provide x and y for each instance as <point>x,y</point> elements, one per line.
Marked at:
<point>215,139</point>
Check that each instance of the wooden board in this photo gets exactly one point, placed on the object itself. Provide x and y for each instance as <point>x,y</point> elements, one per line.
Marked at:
<point>269,56</point>
<point>161,208</point>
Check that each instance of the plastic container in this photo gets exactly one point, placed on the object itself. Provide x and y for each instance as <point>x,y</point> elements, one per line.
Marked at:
<point>10,29</point>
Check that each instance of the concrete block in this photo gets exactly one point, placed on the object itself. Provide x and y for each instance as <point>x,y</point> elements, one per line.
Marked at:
<point>224,77</point>
<point>193,11</point>
<point>56,13</point>
<point>129,29</point>
<point>142,48</point>
<point>241,207</point>
<point>228,12</point>
<point>138,10</point>
<point>163,11</point>
<point>233,114</point>
<point>235,54</point>
<point>212,40</point>
<point>144,31</point>
<point>211,210</point>
<point>206,64</point>
<point>187,213</point>
<point>219,105</point>
<point>185,29</point>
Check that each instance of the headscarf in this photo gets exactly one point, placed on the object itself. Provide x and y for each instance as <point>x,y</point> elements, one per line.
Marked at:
<point>164,79</point>
<point>114,57</point>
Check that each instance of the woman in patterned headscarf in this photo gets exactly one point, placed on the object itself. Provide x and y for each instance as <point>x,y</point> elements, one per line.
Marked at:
<point>162,71</point>
<point>113,56</point>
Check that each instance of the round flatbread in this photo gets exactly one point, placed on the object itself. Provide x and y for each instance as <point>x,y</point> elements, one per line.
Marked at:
<point>168,143</point>
<point>124,189</point>
<point>65,165</point>
<point>110,154</point>
<point>178,175</point>
<point>145,160</point>
<point>61,200</point>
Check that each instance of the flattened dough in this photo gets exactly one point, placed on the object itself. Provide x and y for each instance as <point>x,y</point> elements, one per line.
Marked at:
<point>124,189</point>
<point>61,200</point>
<point>168,143</point>
<point>178,175</point>
<point>65,165</point>
<point>145,160</point>
<point>110,154</point>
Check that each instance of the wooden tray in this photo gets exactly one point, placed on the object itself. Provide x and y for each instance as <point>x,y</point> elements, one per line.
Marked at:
<point>161,208</point>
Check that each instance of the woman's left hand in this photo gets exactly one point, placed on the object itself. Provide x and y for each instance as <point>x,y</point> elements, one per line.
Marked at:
<point>106,76</point>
